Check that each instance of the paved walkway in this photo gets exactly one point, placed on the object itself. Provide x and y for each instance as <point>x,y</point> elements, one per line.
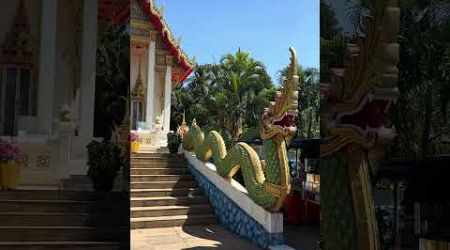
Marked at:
<point>302,237</point>
<point>188,238</point>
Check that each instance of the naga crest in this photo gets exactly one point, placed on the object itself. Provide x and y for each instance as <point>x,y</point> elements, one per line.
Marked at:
<point>358,98</point>
<point>279,119</point>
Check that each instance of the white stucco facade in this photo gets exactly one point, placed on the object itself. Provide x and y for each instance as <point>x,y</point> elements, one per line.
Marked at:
<point>59,85</point>
<point>156,65</point>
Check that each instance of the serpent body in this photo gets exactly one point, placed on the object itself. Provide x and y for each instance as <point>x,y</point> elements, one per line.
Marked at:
<point>267,183</point>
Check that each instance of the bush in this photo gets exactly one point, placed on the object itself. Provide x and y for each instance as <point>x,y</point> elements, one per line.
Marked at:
<point>104,160</point>
<point>173,142</point>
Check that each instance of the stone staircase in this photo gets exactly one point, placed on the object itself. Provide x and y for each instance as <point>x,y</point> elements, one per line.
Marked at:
<point>84,183</point>
<point>165,194</point>
<point>52,219</point>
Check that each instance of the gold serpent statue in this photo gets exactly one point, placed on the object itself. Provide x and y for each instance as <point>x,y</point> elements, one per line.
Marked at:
<point>267,184</point>
<point>353,136</point>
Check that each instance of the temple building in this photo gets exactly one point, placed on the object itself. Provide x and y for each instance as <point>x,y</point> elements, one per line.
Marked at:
<point>47,82</point>
<point>157,65</point>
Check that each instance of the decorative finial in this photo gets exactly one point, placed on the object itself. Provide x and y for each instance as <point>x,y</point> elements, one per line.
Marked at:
<point>139,70</point>
<point>184,118</point>
<point>183,129</point>
<point>293,61</point>
<point>137,93</point>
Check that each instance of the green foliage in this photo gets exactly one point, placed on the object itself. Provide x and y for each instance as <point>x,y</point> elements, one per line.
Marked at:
<point>112,79</point>
<point>420,115</point>
<point>332,42</point>
<point>227,138</point>
<point>250,134</point>
<point>173,142</point>
<point>228,96</point>
<point>105,160</point>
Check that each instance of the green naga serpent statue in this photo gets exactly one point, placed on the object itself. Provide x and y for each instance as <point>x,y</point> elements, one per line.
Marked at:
<point>354,109</point>
<point>267,183</point>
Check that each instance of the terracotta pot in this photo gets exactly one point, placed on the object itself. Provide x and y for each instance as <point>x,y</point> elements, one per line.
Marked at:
<point>10,175</point>
<point>134,147</point>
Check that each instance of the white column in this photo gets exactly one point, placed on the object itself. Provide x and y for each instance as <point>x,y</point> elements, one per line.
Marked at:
<point>167,94</point>
<point>47,66</point>
<point>150,82</point>
<point>88,61</point>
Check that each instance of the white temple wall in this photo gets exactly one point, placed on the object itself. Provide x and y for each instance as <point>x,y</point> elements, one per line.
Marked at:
<point>51,155</point>
<point>159,95</point>
<point>66,58</point>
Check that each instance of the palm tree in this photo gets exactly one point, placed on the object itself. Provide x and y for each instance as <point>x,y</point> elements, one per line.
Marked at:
<point>242,77</point>
<point>228,97</point>
<point>420,114</point>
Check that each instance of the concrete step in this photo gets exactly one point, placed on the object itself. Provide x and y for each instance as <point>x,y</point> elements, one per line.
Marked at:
<point>62,206</point>
<point>59,195</point>
<point>168,201</point>
<point>84,183</point>
<point>63,219</point>
<point>165,192</point>
<point>65,245</point>
<point>171,221</point>
<point>158,155</point>
<point>158,164</point>
<point>136,158</point>
<point>156,211</point>
<point>163,184</point>
<point>159,171</point>
<point>62,233</point>
<point>143,178</point>
<point>164,150</point>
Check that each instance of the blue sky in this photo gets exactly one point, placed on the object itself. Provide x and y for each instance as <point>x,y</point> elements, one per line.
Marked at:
<point>265,28</point>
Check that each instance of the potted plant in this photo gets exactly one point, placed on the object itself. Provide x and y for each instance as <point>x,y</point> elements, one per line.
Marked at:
<point>104,160</point>
<point>9,168</point>
<point>173,142</point>
<point>134,139</point>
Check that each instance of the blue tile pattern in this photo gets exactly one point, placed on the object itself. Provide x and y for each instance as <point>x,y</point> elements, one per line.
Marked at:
<point>232,217</point>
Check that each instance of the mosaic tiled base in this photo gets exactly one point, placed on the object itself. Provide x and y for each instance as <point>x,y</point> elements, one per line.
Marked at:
<point>234,218</point>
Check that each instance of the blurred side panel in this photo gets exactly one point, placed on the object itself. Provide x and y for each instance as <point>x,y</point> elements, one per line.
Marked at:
<point>359,56</point>
<point>64,160</point>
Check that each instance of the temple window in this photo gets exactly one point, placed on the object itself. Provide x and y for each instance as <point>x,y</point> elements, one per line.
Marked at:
<point>16,97</point>
<point>17,82</point>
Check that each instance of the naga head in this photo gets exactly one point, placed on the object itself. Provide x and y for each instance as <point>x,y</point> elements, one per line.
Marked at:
<point>194,136</point>
<point>358,98</point>
<point>278,120</point>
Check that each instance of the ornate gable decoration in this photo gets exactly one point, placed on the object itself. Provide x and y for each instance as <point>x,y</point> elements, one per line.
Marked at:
<point>154,14</point>
<point>17,47</point>
<point>137,12</point>
<point>138,91</point>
